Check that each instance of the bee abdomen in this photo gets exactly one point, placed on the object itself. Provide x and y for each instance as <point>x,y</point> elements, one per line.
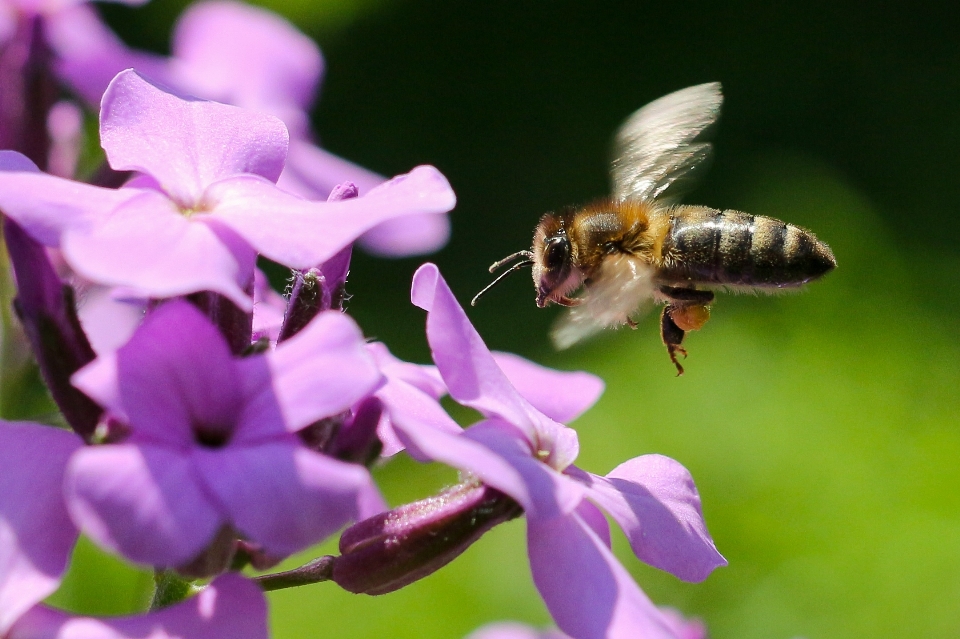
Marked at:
<point>737,249</point>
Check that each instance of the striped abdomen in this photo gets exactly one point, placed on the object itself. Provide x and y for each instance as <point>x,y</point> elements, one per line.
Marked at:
<point>732,248</point>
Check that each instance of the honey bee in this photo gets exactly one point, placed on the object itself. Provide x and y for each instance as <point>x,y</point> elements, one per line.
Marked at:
<point>641,247</point>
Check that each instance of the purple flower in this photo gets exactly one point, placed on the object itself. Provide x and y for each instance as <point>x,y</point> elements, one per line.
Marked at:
<point>205,203</point>
<point>211,446</point>
<point>244,55</point>
<point>231,607</point>
<point>36,534</point>
<point>683,628</point>
<point>512,630</point>
<point>527,455</point>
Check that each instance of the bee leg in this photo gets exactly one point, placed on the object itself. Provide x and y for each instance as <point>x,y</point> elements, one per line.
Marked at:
<point>563,300</point>
<point>629,322</point>
<point>686,296</point>
<point>672,336</point>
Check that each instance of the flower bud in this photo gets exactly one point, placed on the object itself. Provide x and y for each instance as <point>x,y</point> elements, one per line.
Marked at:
<point>390,550</point>
<point>45,306</point>
<point>321,288</point>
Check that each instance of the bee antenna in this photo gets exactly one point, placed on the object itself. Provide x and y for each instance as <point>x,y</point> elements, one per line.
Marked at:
<point>525,254</point>
<point>510,270</point>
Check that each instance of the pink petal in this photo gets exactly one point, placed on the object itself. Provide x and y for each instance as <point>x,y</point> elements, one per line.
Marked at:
<point>268,308</point>
<point>588,592</point>
<point>546,491</point>
<point>321,371</point>
<point>302,234</point>
<point>14,161</point>
<point>655,501</point>
<point>411,412</point>
<point>107,321</point>
<point>682,627</point>
<point>100,382</point>
<point>512,630</point>
<point>426,378</point>
<point>468,369</point>
<point>147,246</point>
<point>186,144</point>
<point>245,55</point>
<point>176,372</point>
<point>142,502</point>
<point>47,206</point>
<point>89,54</point>
<point>560,395</point>
<point>283,496</point>
<point>229,608</point>
<point>312,172</point>
<point>36,534</point>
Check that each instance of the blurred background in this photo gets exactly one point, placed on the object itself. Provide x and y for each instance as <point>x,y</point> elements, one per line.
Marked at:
<point>822,428</point>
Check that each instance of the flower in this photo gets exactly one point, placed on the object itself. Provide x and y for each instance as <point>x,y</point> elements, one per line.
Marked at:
<point>206,202</point>
<point>209,446</point>
<point>528,456</point>
<point>36,533</point>
<point>250,57</point>
<point>231,607</point>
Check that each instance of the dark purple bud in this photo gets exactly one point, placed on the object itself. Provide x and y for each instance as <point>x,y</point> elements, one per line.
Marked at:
<point>27,90</point>
<point>235,324</point>
<point>46,308</point>
<point>357,439</point>
<point>396,548</point>
<point>321,288</point>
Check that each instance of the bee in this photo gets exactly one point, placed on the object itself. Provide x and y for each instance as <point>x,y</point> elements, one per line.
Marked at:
<point>642,247</point>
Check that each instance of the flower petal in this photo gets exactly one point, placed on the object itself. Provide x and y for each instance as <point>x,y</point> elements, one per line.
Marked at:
<point>302,234</point>
<point>36,534</point>
<point>231,607</point>
<point>89,54</point>
<point>560,395</point>
<point>147,246</point>
<point>655,501</point>
<point>321,371</point>
<point>47,206</point>
<point>468,369</point>
<point>426,378</point>
<point>175,373</point>
<point>100,382</point>
<point>245,55</point>
<point>185,143</point>
<point>312,172</point>
<point>589,594</point>
<point>547,492</point>
<point>413,414</point>
<point>283,496</point>
<point>142,502</point>
<point>513,630</point>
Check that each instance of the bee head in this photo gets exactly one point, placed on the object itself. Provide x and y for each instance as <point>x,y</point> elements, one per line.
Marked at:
<point>553,272</point>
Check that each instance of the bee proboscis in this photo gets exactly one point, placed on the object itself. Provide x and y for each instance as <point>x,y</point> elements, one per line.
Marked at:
<point>641,247</point>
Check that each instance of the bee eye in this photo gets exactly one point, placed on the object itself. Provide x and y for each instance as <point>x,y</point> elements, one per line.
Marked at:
<point>556,252</point>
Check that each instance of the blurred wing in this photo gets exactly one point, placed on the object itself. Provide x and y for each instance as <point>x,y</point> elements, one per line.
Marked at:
<point>623,286</point>
<point>657,146</point>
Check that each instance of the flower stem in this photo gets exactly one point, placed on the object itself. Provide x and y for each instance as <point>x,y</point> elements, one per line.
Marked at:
<point>320,569</point>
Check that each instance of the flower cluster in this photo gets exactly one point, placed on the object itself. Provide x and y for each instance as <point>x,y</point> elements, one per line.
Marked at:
<point>215,424</point>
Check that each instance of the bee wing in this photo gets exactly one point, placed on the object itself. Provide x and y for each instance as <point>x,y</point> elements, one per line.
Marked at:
<point>657,146</point>
<point>623,286</point>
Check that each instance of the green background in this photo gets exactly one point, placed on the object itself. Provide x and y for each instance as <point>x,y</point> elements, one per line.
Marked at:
<point>821,428</point>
